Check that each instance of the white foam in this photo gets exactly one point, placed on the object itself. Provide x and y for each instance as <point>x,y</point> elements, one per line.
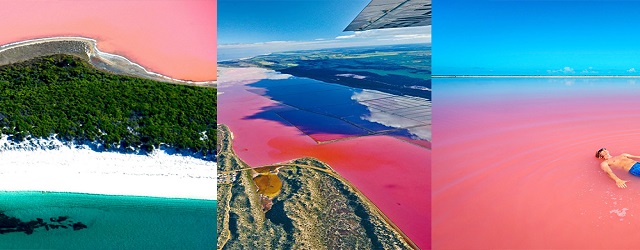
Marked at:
<point>620,212</point>
<point>352,76</point>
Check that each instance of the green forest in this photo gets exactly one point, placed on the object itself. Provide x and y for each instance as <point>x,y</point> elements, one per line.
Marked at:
<point>66,96</point>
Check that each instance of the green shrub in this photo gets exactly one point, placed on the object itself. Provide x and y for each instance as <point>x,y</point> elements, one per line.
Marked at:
<point>65,95</point>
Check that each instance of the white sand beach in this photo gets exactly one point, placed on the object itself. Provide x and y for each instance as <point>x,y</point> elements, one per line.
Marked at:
<point>53,166</point>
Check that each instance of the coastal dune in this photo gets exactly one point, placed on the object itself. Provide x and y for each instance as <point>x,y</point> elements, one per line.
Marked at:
<point>54,166</point>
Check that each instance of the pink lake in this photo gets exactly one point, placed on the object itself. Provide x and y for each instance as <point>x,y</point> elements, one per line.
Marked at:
<point>514,166</point>
<point>392,173</point>
<point>173,38</point>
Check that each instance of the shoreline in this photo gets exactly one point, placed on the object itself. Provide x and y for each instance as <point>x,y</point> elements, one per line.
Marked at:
<point>331,172</point>
<point>111,59</point>
<point>80,169</point>
<point>2,192</point>
<point>226,139</point>
<point>398,169</point>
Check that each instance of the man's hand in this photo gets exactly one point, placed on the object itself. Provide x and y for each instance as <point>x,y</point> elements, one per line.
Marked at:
<point>605,167</point>
<point>621,183</point>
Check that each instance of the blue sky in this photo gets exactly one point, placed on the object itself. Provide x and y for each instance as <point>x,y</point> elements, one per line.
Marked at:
<point>252,27</point>
<point>536,37</point>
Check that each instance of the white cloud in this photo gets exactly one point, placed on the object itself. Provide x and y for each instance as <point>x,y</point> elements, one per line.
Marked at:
<point>565,70</point>
<point>412,33</point>
<point>352,76</point>
<point>346,37</point>
<point>414,36</point>
<point>631,70</point>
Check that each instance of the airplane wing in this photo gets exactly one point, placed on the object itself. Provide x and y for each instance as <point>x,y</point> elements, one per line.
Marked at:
<point>382,14</point>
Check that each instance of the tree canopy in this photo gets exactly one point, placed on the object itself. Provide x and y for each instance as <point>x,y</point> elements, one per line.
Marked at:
<point>66,96</point>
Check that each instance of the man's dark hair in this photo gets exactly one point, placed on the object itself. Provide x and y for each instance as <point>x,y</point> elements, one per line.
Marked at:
<point>599,151</point>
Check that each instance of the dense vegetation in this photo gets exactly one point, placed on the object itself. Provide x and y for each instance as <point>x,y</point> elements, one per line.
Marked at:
<point>65,95</point>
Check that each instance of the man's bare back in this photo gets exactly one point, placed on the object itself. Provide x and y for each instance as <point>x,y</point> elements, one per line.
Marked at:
<point>623,161</point>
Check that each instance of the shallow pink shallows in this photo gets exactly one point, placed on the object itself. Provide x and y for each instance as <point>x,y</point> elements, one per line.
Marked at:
<point>514,164</point>
<point>173,38</point>
<point>392,173</point>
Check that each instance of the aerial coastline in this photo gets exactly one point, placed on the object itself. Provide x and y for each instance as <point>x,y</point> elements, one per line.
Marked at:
<point>305,180</point>
<point>106,61</point>
<point>273,140</point>
<point>172,38</point>
<point>108,125</point>
<point>58,133</point>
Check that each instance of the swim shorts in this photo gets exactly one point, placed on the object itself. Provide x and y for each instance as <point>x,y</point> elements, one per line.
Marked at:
<point>635,169</point>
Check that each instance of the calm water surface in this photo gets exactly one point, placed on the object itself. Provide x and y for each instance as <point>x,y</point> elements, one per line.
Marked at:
<point>173,38</point>
<point>514,166</point>
<point>280,120</point>
<point>114,222</point>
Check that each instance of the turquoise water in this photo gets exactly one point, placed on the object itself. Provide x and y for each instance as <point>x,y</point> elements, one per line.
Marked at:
<point>114,222</point>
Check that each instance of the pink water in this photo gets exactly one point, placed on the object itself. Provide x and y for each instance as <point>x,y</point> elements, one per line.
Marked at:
<point>392,173</point>
<point>514,166</point>
<point>173,38</point>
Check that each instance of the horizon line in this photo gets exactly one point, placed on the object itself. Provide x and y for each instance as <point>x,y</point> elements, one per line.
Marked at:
<point>536,76</point>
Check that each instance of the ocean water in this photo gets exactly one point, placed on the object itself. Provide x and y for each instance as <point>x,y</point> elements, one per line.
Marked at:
<point>514,164</point>
<point>113,222</point>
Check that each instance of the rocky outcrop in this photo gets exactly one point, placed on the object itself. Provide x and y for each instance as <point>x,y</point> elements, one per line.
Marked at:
<point>24,52</point>
<point>87,49</point>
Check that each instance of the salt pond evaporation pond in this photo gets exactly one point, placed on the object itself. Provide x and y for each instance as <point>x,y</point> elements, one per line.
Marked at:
<point>277,118</point>
<point>515,167</point>
<point>113,222</point>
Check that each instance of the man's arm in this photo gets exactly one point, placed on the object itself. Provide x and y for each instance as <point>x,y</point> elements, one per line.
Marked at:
<point>605,167</point>
<point>631,156</point>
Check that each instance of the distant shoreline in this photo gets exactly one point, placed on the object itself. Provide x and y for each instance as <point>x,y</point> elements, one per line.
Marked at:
<point>532,76</point>
<point>235,57</point>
